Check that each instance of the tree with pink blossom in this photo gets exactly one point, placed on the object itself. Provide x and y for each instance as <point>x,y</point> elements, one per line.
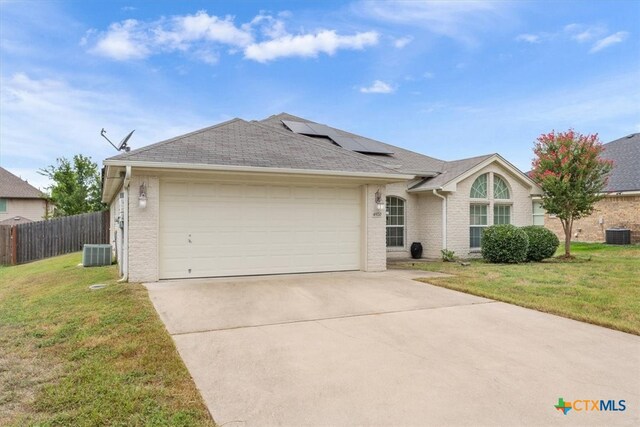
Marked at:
<point>572,175</point>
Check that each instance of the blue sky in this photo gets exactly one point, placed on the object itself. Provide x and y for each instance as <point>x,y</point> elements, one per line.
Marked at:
<point>448,79</point>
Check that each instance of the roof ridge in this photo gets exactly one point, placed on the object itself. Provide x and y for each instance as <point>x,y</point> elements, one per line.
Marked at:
<point>309,140</point>
<point>175,138</point>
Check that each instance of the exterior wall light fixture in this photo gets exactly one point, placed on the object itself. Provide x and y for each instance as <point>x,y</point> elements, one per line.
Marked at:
<point>142,198</point>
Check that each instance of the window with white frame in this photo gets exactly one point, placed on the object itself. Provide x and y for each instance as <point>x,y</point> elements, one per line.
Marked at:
<point>501,214</point>
<point>478,221</point>
<point>483,202</point>
<point>3,205</point>
<point>395,222</point>
<point>479,187</point>
<point>500,188</point>
<point>538,214</point>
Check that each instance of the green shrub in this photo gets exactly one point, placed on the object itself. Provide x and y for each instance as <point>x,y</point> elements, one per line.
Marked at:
<point>447,255</point>
<point>504,243</point>
<point>542,243</point>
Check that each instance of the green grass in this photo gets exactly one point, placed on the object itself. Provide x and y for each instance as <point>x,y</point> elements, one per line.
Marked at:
<point>600,286</point>
<point>72,356</point>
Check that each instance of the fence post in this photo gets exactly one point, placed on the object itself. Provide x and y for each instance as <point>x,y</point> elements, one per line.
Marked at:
<point>14,245</point>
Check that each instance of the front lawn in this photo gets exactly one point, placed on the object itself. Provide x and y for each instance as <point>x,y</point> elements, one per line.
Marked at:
<point>73,356</point>
<point>601,286</point>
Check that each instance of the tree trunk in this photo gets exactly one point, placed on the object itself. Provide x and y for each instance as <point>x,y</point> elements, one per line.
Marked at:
<point>567,238</point>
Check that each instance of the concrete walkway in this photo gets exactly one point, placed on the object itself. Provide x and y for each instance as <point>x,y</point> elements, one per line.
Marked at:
<point>382,349</point>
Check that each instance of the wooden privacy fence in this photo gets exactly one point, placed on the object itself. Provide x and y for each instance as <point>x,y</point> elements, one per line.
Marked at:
<point>42,239</point>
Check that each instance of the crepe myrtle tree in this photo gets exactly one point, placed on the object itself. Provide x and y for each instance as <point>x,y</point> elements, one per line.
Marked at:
<point>568,167</point>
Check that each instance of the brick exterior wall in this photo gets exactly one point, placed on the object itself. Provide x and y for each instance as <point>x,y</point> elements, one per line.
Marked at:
<point>458,208</point>
<point>614,211</point>
<point>375,223</point>
<point>143,230</point>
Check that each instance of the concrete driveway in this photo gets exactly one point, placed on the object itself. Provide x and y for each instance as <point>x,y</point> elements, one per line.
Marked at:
<point>382,349</point>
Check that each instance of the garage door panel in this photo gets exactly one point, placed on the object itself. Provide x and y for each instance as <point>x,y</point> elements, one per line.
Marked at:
<point>240,229</point>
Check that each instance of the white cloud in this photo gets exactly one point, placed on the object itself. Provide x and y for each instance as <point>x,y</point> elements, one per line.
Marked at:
<point>616,38</point>
<point>460,20</point>
<point>378,86</point>
<point>201,35</point>
<point>201,27</point>
<point>122,41</point>
<point>43,119</point>
<point>402,41</point>
<point>308,45</point>
<point>428,75</point>
<point>529,38</point>
<point>584,33</point>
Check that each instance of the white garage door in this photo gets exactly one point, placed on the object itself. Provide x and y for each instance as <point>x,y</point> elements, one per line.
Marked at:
<point>221,229</point>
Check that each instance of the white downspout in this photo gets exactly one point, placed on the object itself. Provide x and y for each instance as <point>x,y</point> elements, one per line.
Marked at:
<point>125,234</point>
<point>444,217</point>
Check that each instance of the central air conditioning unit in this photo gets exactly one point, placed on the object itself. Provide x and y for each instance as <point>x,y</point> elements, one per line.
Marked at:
<point>96,255</point>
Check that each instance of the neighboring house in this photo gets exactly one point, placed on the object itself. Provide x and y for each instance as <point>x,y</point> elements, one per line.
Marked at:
<point>621,206</point>
<point>287,195</point>
<point>19,201</point>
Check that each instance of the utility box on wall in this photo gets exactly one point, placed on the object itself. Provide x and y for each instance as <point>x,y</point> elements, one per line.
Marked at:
<point>96,255</point>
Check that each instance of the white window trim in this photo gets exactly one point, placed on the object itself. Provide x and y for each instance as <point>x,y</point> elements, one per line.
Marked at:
<point>404,227</point>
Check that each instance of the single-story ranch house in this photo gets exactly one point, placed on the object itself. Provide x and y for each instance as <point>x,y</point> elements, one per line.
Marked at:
<point>288,195</point>
<point>620,208</point>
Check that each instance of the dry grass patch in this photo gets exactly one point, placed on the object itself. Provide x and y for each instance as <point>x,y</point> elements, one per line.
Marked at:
<point>72,356</point>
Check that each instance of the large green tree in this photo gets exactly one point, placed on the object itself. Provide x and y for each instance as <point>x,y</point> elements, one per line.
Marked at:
<point>76,186</point>
<point>568,167</point>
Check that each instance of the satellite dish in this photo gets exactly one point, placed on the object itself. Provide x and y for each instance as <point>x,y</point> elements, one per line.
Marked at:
<point>123,144</point>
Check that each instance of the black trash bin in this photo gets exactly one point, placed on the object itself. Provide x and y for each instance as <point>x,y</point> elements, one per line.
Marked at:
<point>416,250</point>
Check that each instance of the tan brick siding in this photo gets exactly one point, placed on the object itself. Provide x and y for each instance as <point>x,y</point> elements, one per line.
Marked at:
<point>458,209</point>
<point>143,230</point>
<point>33,209</point>
<point>614,211</point>
<point>375,252</point>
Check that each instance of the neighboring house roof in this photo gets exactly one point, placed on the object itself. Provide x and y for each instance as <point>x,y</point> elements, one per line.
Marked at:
<point>252,144</point>
<point>625,154</point>
<point>13,187</point>
<point>15,220</point>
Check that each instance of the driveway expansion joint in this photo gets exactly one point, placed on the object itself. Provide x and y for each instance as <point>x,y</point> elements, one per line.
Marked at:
<point>347,316</point>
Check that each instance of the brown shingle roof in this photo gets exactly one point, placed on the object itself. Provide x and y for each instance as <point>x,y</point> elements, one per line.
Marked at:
<point>12,187</point>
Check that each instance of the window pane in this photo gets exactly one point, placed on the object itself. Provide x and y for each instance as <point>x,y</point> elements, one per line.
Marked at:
<point>479,187</point>
<point>478,215</point>
<point>475,237</point>
<point>537,208</point>
<point>3,205</point>
<point>502,214</point>
<point>395,222</point>
<point>500,188</point>
<point>538,220</point>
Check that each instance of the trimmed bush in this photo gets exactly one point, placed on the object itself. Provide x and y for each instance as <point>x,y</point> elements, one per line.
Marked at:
<point>542,243</point>
<point>504,243</point>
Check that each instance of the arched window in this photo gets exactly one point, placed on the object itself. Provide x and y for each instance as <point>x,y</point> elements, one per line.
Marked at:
<point>479,187</point>
<point>479,210</point>
<point>500,188</point>
<point>395,222</point>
